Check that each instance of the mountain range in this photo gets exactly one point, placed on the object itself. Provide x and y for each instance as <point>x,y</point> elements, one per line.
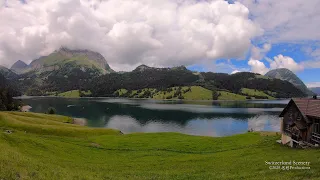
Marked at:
<point>316,90</point>
<point>86,71</point>
<point>64,57</point>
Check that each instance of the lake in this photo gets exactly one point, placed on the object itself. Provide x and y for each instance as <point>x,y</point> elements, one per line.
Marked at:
<point>206,118</point>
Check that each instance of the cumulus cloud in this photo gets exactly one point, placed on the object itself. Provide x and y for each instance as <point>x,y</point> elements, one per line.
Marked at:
<point>127,32</point>
<point>257,66</point>
<point>278,61</point>
<point>310,64</point>
<point>286,21</point>
<point>259,53</point>
<point>281,61</point>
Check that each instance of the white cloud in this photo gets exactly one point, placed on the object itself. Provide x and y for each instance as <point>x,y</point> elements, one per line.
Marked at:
<point>313,84</point>
<point>310,64</point>
<point>235,71</point>
<point>278,61</point>
<point>281,61</point>
<point>127,32</point>
<point>257,66</point>
<point>259,53</point>
<point>286,21</point>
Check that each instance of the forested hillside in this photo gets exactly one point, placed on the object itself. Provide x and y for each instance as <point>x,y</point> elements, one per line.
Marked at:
<point>69,77</point>
<point>7,103</point>
<point>235,82</point>
<point>158,78</point>
<point>155,82</point>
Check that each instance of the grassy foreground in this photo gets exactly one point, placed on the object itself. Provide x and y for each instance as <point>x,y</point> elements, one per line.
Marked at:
<point>49,147</point>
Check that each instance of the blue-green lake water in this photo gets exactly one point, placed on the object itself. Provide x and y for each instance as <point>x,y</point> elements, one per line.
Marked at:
<point>207,118</point>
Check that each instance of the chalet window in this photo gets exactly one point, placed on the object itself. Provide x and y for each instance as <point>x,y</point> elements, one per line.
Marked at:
<point>316,126</point>
<point>299,117</point>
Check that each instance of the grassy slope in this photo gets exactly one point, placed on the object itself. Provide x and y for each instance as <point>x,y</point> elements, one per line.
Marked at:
<point>252,92</point>
<point>73,94</point>
<point>70,94</point>
<point>230,96</point>
<point>198,93</point>
<point>51,149</point>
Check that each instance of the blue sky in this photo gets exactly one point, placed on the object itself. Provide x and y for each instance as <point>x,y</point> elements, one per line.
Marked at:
<point>294,50</point>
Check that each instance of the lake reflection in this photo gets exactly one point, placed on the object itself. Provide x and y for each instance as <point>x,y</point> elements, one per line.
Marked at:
<point>218,118</point>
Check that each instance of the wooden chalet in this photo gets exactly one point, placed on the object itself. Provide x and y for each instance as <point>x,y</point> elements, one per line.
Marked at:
<point>300,123</point>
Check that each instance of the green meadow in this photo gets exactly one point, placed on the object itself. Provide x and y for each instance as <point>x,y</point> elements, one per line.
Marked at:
<point>40,146</point>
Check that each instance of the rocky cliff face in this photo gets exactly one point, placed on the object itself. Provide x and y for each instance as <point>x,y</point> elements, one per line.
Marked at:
<point>287,75</point>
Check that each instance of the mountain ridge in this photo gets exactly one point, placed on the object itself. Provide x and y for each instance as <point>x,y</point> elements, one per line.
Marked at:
<point>58,58</point>
<point>19,67</point>
<point>67,70</point>
<point>316,90</point>
<point>287,75</point>
<point>7,73</point>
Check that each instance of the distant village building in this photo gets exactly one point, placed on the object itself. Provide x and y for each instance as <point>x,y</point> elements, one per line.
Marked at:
<point>300,124</point>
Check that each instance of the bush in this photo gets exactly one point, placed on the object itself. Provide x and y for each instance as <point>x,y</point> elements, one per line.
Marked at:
<point>180,97</point>
<point>51,110</point>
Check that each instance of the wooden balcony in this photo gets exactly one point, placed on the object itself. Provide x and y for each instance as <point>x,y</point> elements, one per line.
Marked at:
<point>315,137</point>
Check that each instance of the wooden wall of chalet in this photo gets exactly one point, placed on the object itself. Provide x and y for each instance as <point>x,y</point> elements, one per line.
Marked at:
<point>293,114</point>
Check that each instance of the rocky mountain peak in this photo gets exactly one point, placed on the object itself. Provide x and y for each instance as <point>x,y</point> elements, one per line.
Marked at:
<point>19,65</point>
<point>287,75</point>
<point>142,68</point>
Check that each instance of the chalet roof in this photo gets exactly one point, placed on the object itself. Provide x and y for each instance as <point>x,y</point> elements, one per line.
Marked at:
<point>308,107</point>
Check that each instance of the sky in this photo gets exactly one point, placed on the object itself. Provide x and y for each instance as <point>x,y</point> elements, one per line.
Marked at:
<point>204,35</point>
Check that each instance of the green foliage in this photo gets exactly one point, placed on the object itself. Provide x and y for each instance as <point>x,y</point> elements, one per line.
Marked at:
<point>215,95</point>
<point>50,147</point>
<point>51,110</point>
<point>7,92</point>
<point>121,93</point>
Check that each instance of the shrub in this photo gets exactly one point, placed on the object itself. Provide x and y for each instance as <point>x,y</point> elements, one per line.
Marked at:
<point>51,110</point>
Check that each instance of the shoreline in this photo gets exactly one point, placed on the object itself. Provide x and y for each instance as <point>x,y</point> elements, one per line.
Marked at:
<point>191,100</point>
<point>79,121</point>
